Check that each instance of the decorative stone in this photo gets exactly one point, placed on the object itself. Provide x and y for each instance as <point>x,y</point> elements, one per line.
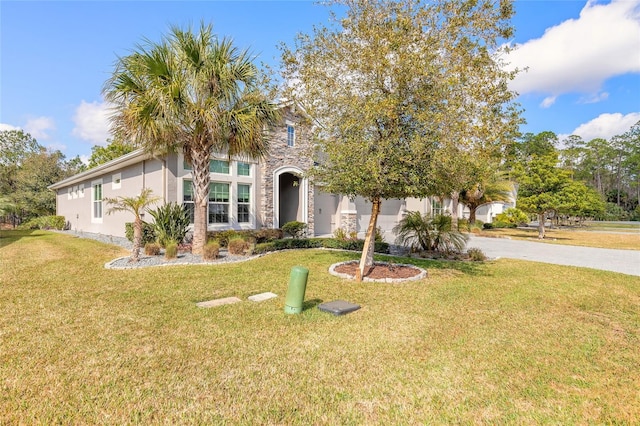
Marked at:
<point>218,302</point>
<point>338,307</point>
<point>262,297</point>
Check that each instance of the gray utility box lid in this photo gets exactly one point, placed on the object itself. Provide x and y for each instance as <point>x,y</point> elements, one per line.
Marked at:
<point>338,307</point>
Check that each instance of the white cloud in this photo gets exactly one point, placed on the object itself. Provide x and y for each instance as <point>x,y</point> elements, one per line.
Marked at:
<point>605,126</point>
<point>594,98</point>
<point>39,127</point>
<point>92,123</point>
<point>4,127</point>
<point>578,55</point>
<point>548,101</point>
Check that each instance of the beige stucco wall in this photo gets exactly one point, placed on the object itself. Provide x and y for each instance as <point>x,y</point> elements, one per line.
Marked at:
<point>75,202</point>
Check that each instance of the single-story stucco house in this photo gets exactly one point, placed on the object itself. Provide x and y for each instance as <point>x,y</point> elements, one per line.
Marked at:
<point>244,194</point>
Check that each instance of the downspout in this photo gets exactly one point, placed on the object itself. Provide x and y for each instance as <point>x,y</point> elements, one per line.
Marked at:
<point>164,180</point>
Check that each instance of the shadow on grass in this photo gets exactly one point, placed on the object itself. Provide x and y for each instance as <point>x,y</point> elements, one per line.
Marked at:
<point>11,236</point>
<point>466,267</point>
<point>310,304</point>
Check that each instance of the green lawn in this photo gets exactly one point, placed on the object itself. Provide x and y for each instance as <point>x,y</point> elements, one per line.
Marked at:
<point>502,342</point>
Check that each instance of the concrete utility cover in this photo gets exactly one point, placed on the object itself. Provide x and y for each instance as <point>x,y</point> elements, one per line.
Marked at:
<point>262,297</point>
<point>218,302</point>
<point>338,307</point>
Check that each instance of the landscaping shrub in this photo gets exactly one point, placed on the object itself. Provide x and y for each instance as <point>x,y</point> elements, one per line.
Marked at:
<point>171,223</point>
<point>340,234</point>
<point>487,225</point>
<point>237,245</point>
<point>264,248</point>
<point>429,233</point>
<point>511,218</point>
<point>45,222</point>
<point>222,237</point>
<point>464,225</point>
<point>266,235</point>
<point>171,250</point>
<point>295,229</point>
<point>357,245</point>
<point>148,232</point>
<point>152,249</point>
<point>211,250</point>
<point>476,255</point>
<point>250,235</point>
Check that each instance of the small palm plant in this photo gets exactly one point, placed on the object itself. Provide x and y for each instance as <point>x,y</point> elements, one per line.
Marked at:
<point>445,238</point>
<point>136,205</point>
<point>429,233</point>
<point>413,231</point>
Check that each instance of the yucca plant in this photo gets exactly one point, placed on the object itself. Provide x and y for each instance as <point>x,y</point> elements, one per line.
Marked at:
<point>171,223</point>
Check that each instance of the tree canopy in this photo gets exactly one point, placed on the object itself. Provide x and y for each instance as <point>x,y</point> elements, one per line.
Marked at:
<point>545,186</point>
<point>26,170</point>
<point>609,166</point>
<point>391,83</point>
<point>115,148</point>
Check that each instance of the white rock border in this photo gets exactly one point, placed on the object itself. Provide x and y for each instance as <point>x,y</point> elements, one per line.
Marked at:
<point>421,275</point>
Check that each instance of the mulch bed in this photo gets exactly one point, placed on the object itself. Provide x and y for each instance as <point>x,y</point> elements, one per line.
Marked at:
<point>380,271</point>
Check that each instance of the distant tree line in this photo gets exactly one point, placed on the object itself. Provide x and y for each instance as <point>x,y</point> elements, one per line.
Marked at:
<point>611,167</point>
<point>26,170</point>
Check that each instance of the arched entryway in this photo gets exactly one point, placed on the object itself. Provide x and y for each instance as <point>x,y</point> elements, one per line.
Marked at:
<point>290,196</point>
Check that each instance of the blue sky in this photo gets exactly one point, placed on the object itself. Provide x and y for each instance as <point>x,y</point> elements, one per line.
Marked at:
<point>583,59</point>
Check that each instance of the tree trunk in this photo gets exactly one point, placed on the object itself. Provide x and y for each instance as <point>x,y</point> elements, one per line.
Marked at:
<point>541,226</point>
<point>472,215</point>
<point>137,239</point>
<point>455,196</point>
<point>366,259</point>
<point>201,179</point>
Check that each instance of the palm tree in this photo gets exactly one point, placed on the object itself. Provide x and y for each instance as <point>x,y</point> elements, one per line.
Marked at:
<point>485,193</point>
<point>136,205</point>
<point>194,93</point>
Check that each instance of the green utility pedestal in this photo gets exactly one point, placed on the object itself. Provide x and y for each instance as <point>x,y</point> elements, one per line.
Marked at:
<point>295,292</point>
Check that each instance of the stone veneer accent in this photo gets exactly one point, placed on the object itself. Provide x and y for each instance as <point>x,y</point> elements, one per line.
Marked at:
<point>281,155</point>
<point>349,222</point>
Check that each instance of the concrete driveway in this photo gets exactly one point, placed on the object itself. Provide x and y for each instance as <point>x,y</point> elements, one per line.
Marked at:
<point>622,261</point>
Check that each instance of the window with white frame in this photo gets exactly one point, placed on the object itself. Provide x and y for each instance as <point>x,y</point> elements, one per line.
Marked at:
<point>244,203</point>
<point>116,181</point>
<point>187,199</point>
<point>291,135</point>
<point>243,169</point>
<point>436,207</point>
<point>218,202</point>
<point>76,191</point>
<point>219,166</point>
<point>96,197</point>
